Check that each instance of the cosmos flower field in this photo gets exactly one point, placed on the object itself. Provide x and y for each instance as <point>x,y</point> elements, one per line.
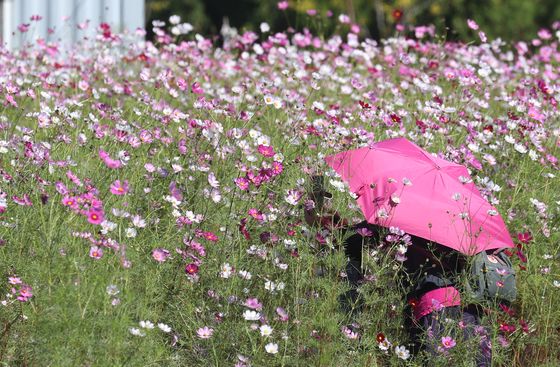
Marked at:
<point>151,193</point>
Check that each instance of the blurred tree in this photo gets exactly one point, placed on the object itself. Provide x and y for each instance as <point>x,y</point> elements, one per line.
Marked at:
<point>508,19</point>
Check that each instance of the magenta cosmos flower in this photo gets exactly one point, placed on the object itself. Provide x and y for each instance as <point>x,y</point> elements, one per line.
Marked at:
<point>70,201</point>
<point>191,269</point>
<point>95,216</point>
<point>119,188</point>
<point>266,150</point>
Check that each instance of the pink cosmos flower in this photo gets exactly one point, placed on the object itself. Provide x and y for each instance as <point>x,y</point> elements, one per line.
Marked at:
<point>502,271</point>
<point>277,168</point>
<point>23,27</point>
<point>25,293</point>
<point>255,213</point>
<point>11,100</point>
<point>448,342</point>
<point>242,183</point>
<point>95,216</point>
<point>14,280</point>
<point>536,114</point>
<point>544,34</point>
<point>196,88</point>
<point>109,162</point>
<point>119,188</point>
<point>253,303</point>
<point>282,5</point>
<point>349,333</point>
<point>282,314</point>
<point>70,201</point>
<point>96,252</point>
<point>175,191</point>
<point>198,248</point>
<point>181,84</point>
<point>204,332</point>
<point>25,200</point>
<point>472,24</point>
<point>160,254</point>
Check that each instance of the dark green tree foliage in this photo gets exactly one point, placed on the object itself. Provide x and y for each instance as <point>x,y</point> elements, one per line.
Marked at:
<point>507,19</point>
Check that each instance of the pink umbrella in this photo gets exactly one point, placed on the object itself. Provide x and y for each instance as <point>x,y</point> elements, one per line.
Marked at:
<point>399,184</point>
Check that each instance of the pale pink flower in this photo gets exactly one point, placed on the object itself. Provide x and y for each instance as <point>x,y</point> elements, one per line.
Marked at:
<point>253,303</point>
<point>282,5</point>
<point>119,188</point>
<point>14,280</point>
<point>96,252</point>
<point>204,332</point>
<point>448,342</point>
<point>472,24</point>
<point>160,254</point>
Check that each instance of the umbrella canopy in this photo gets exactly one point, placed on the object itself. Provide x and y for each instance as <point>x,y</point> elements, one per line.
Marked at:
<point>399,184</point>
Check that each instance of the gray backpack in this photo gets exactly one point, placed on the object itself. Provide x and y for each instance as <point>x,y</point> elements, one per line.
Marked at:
<point>491,278</point>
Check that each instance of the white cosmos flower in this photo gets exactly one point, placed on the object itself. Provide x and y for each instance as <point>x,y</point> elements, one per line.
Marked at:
<point>226,271</point>
<point>137,221</point>
<point>385,345</point>
<point>339,185</point>
<point>533,155</point>
<point>174,19</point>
<point>382,213</point>
<point>271,348</point>
<point>520,148</point>
<point>265,330</point>
<point>264,27</point>
<point>213,181</point>
<point>131,232</point>
<point>146,324</point>
<point>292,197</point>
<point>245,275</point>
<point>163,327</point>
<point>136,331</point>
<point>402,352</point>
<point>251,315</point>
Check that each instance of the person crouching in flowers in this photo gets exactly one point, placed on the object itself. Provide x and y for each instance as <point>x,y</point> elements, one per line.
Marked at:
<point>429,269</point>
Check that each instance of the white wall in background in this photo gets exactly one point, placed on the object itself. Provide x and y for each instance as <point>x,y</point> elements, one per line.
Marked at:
<point>120,14</point>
